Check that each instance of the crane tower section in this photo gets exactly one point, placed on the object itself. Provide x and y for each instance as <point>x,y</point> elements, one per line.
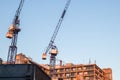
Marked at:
<point>51,46</point>
<point>13,34</point>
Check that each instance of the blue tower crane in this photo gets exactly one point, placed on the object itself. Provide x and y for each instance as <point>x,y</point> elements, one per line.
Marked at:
<point>13,34</point>
<point>51,46</point>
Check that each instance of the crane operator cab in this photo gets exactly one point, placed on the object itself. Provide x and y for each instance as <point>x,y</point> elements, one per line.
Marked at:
<point>13,29</point>
<point>54,51</point>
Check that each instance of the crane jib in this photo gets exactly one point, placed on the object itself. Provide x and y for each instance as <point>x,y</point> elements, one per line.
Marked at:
<point>58,26</point>
<point>63,14</point>
<point>16,21</point>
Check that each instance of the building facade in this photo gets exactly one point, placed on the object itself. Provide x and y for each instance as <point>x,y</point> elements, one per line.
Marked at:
<point>71,71</point>
<point>80,72</point>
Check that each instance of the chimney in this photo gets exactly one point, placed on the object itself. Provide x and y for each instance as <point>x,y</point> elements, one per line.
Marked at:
<point>60,62</point>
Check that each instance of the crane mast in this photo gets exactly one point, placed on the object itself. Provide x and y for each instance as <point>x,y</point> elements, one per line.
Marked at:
<point>13,34</point>
<point>51,45</point>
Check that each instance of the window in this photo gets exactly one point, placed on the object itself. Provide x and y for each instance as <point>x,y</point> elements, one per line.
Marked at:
<point>79,68</point>
<point>90,72</point>
<point>73,74</point>
<point>89,67</point>
<point>73,69</point>
<point>61,70</point>
<point>85,72</point>
<point>67,70</point>
<point>67,75</point>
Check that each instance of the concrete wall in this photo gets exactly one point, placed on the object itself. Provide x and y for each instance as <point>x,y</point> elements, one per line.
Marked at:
<point>22,72</point>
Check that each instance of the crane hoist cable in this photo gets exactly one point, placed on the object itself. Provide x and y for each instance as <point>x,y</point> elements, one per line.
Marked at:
<point>51,43</point>
<point>13,34</point>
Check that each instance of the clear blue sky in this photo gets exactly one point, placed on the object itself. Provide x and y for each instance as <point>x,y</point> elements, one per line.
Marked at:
<point>90,30</point>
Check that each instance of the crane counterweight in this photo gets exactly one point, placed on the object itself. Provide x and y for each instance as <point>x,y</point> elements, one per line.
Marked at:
<point>13,29</point>
<point>44,56</point>
<point>9,34</point>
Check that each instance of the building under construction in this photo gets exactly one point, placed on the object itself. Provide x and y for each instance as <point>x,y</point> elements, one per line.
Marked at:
<point>20,67</point>
<point>70,71</point>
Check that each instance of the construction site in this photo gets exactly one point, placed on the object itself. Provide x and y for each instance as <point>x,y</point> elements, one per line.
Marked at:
<point>29,70</point>
<point>20,67</point>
